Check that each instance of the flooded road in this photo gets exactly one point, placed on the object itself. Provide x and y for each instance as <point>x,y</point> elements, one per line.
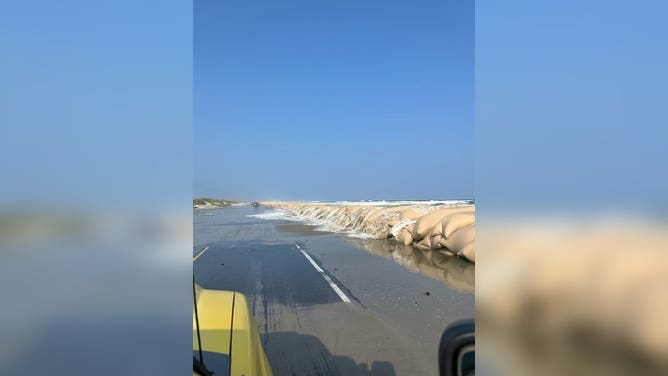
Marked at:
<point>327,304</point>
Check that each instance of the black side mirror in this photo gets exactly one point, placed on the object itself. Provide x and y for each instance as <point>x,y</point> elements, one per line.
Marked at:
<point>456,353</point>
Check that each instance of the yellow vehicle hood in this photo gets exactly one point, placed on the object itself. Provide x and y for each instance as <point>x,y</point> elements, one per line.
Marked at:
<point>228,334</point>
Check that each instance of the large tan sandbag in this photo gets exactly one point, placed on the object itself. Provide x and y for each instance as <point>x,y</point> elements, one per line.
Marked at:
<point>454,222</point>
<point>411,213</point>
<point>424,243</point>
<point>449,224</point>
<point>434,242</point>
<point>405,213</point>
<point>422,247</point>
<point>468,251</point>
<point>425,224</point>
<point>377,221</point>
<point>405,236</point>
<point>458,239</point>
<point>394,211</point>
<point>393,221</point>
<point>372,215</point>
<point>446,251</point>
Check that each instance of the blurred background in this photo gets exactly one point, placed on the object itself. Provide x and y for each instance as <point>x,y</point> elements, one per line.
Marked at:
<point>571,188</point>
<point>95,200</point>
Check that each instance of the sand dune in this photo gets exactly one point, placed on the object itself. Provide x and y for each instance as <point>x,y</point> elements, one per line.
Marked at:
<point>448,228</point>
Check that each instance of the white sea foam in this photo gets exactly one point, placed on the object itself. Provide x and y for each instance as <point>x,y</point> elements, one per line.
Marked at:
<point>323,225</point>
<point>392,202</point>
<point>396,229</point>
<point>274,214</point>
<point>361,235</point>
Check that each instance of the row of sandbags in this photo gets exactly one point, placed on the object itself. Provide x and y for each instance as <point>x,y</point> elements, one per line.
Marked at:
<point>446,228</point>
<point>450,229</point>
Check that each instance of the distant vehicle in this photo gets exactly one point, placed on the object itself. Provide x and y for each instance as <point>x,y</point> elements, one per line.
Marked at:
<point>225,338</point>
<point>255,204</point>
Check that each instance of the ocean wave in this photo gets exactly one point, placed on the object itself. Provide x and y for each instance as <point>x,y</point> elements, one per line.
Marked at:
<point>393,202</point>
<point>273,214</point>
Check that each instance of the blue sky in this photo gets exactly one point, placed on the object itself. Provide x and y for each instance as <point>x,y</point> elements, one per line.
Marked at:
<point>333,100</point>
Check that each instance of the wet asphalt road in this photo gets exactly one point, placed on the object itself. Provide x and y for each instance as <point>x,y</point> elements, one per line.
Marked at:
<point>395,316</point>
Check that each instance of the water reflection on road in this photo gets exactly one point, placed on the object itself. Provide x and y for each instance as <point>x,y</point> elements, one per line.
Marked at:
<point>456,273</point>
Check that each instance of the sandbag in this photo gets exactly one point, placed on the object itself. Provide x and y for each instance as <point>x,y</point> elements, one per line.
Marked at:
<point>404,236</point>
<point>458,239</point>
<point>454,222</point>
<point>394,211</point>
<point>424,243</point>
<point>425,224</point>
<point>411,213</point>
<point>468,251</point>
<point>434,242</point>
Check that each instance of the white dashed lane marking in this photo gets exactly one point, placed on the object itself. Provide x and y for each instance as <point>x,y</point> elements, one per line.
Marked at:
<point>200,253</point>
<point>324,275</point>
